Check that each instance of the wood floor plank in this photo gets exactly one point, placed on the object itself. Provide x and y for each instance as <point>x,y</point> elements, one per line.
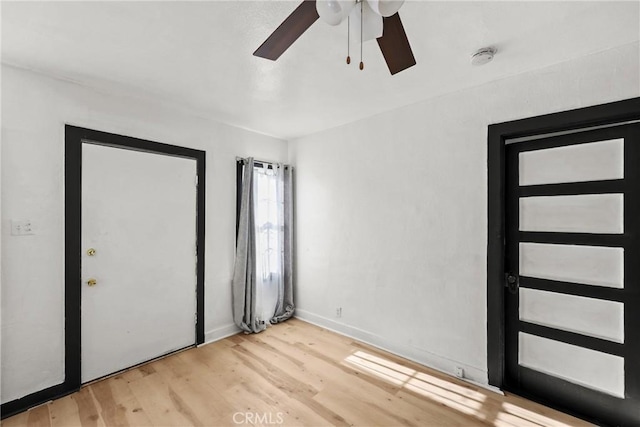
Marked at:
<point>126,413</point>
<point>112,392</point>
<point>259,395</point>
<point>39,417</point>
<point>64,412</point>
<point>87,409</point>
<point>117,404</point>
<point>193,389</point>
<point>259,349</point>
<point>161,403</point>
<point>293,372</point>
<point>359,409</point>
<point>17,420</point>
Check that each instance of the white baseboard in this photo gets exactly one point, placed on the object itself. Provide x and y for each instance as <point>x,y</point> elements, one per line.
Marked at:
<point>442,364</point>
<point>220,333</point>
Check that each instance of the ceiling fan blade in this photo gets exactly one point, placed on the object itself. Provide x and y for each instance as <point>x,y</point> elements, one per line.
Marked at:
<point>395,45</point>
<point>289,31</point>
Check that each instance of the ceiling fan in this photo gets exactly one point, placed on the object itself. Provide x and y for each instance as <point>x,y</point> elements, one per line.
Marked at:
<point>377,19</point>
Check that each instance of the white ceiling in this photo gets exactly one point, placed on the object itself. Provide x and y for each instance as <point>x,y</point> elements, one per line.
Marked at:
<point>198,54</point>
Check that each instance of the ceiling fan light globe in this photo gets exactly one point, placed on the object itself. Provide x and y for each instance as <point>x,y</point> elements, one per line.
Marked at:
<point>372,23</point>
<point>385,7</point>
<point>333,12</point>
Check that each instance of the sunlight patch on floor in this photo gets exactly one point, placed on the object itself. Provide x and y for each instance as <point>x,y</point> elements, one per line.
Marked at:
<point>381,368</point>
<point>450,399</point>
<point>457,397</point>
<point>504,419</point>
<point>464,391</point>
<point>540,419</point>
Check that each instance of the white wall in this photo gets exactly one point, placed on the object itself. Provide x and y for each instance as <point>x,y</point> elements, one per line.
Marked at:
<point>392,210</point>
<point>35,110</point>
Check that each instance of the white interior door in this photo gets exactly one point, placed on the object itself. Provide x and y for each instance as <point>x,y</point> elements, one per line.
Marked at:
<point>139,215</point>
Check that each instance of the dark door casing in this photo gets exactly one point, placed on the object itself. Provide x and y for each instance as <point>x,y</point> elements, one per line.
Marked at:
<point>504,281</point>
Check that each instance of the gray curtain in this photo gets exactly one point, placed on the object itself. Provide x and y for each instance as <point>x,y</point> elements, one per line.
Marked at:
<point>245,280</point>
<point>244,271</point>
<point>285,307</point>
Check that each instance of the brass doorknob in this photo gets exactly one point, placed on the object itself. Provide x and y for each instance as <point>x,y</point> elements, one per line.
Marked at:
<point>92,282</point>
<point>91,252</point>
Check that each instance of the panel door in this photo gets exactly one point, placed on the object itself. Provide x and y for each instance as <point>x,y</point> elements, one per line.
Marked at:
<point>572,280</point>
<point>138,259</point>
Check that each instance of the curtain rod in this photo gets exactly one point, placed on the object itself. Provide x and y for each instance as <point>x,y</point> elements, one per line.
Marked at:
<point>244,160</point>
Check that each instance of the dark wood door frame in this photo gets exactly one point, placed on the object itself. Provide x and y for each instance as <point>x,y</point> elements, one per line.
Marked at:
<point>74,138</point>
<point>498,134</point>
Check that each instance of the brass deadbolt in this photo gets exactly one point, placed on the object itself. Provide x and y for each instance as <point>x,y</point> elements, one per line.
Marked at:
<point>91,252</point>
<point>92,282</point>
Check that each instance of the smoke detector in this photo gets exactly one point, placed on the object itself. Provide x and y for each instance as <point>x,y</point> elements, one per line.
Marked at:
<point>483,56</point>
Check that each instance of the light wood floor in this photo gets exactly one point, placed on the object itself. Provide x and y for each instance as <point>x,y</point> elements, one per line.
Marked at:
<point>292,374</point>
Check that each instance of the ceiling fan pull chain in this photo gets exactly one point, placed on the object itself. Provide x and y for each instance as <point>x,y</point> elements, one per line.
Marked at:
<point>361,25</point>
<point>348,41</point>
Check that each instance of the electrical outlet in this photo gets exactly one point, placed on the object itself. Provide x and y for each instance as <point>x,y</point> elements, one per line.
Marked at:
<point>339,312</point>
<point>21,228</point>
<point>459,372</point>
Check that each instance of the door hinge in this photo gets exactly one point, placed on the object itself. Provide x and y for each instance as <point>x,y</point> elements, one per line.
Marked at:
<point>196,180</point>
